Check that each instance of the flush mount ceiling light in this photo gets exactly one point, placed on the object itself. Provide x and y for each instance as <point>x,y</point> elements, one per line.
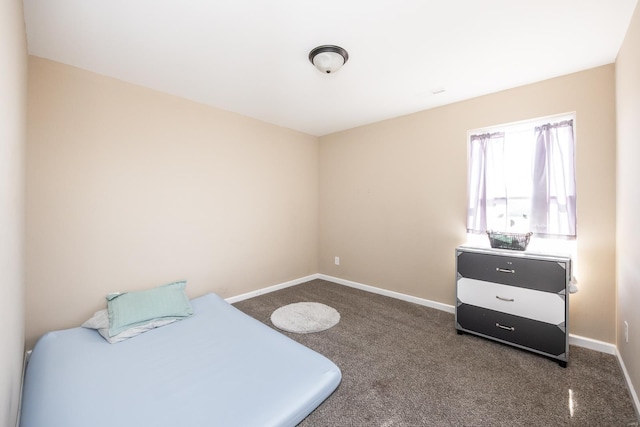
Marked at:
<point>328,58</point>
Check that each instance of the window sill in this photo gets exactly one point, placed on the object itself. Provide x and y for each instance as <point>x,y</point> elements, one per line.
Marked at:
<point>536,245</point>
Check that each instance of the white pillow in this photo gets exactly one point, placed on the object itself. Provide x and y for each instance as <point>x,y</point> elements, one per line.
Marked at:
<point>100,321</point>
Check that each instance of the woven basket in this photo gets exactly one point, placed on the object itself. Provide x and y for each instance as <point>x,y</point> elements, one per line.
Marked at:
<point>512,241</point>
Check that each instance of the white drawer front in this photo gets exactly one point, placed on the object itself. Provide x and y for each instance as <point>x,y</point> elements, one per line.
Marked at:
<point>542,306</point>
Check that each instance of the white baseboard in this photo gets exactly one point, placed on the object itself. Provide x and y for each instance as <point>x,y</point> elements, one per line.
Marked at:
<point>269,289</point>
<point>421,301</point>
<point>591,344</point>
<point>576,340</point>
<point>632,391</point>
<point>25,361</point>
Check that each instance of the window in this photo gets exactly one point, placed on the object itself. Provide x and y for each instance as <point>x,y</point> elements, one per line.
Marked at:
<point>522,178</point>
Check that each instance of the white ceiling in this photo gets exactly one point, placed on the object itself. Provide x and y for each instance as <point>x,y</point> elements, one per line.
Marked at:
<point>250,56</point>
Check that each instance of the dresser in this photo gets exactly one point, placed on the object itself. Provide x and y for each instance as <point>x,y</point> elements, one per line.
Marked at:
<point>516,298</point>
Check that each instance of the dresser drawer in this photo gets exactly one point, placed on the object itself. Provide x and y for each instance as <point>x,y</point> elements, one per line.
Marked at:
<point>527,333</point>
<point>537,305</point>
<point>531,273</point>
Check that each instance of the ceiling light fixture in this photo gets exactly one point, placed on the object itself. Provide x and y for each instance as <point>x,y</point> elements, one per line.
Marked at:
<point>328,58</point>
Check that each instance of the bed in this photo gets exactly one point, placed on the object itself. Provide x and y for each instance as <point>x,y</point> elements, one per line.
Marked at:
<point>219,367</point>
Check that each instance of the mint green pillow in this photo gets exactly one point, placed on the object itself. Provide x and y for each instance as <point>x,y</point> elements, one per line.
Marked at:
<point>131,309</point>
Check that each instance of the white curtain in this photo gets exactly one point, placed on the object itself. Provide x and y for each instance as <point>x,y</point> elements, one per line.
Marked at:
<point>485,154</point>
<point>553,202</point>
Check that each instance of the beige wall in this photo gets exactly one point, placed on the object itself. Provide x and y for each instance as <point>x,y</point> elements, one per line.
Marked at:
<point>628,198</point>
<point>128,188</point>
<point>13,93</point>
<point>393,194</point>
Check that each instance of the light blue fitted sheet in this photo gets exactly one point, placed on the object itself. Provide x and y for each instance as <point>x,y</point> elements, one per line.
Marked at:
<point>218,368</point>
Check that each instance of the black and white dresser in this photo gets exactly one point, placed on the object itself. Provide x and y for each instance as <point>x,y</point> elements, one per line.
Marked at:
<point>517,298</point>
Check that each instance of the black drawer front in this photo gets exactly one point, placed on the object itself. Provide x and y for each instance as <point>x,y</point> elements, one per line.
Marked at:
<point>548,276</point>
<point>544,337</point>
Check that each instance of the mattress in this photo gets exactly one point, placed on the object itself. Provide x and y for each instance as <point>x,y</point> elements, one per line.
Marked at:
<point>219,367</point>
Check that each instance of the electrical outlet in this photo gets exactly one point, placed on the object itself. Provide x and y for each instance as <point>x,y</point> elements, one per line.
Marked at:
<point>626,331</point>
<point>337,260</point>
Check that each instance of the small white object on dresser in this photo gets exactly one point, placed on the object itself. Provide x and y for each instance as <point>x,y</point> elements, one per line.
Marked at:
<point>517,298</point>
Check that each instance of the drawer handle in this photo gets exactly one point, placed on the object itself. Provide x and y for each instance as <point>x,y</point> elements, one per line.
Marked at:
<point>508,328</point>
<point>505,299</point>
<point>504,270</point>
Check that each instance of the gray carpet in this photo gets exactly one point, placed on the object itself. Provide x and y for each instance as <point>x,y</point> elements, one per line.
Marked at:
<point>404,365</point>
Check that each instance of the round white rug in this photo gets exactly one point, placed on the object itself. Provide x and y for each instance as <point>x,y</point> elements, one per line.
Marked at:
<point>305,317</point>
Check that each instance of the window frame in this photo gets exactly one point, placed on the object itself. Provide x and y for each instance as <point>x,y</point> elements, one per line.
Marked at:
<point>511,128</point>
